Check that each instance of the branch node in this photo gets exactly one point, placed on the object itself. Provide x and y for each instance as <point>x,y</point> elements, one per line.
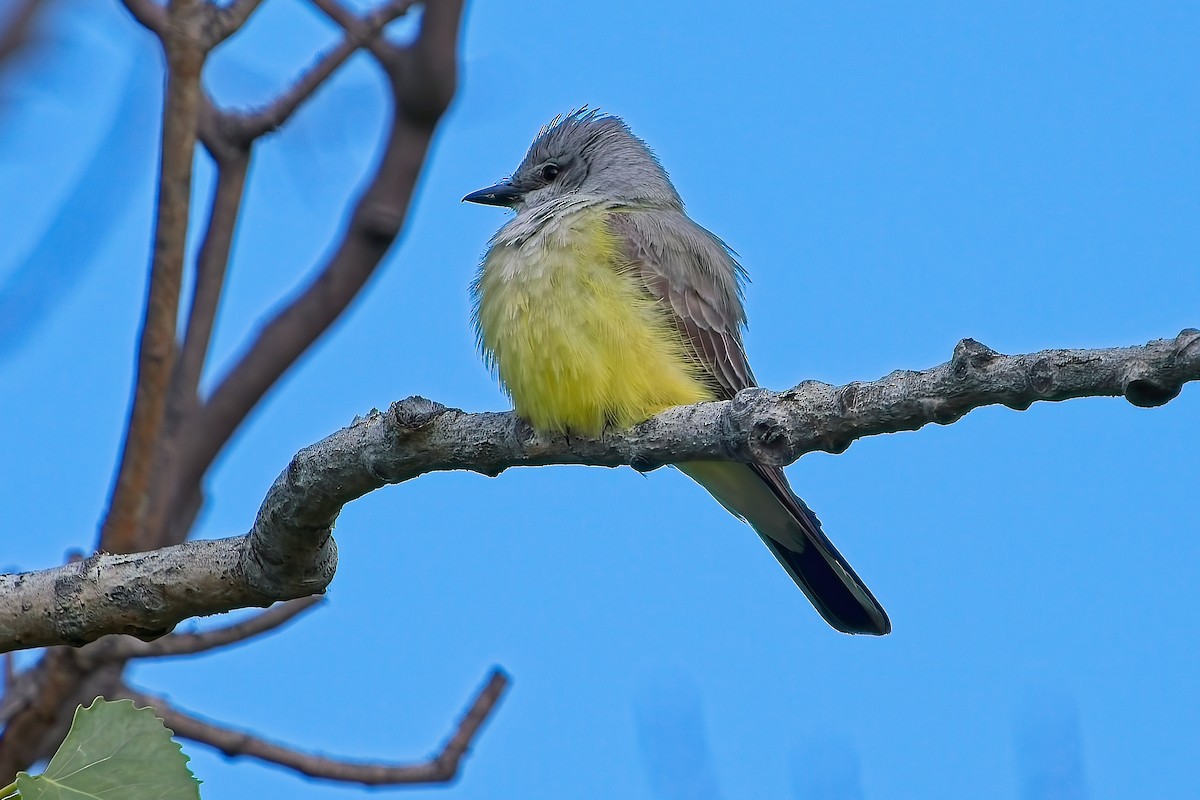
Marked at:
<point>1148,394</point>
<point>768,440</point>
<point>1042,375</point>
<point>414,413</point>
<point>847,397</point>
<point>1187,339</point>
<point>643,464</point>
<point>970,356</point>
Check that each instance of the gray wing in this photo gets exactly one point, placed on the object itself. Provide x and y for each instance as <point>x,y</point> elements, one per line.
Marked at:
<point>692,272</point>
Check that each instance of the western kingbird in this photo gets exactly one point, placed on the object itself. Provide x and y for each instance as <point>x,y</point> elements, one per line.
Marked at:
<point>601,303</point>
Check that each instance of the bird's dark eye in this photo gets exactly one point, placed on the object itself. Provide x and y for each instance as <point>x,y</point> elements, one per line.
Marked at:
<point>549,172</point>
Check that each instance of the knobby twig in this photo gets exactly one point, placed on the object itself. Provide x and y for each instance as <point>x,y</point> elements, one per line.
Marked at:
<point>442,768</point>
<point>290,553</point>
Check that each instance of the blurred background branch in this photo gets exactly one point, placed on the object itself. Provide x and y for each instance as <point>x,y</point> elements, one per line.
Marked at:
<point>174,434</point>
<point>17,28</point>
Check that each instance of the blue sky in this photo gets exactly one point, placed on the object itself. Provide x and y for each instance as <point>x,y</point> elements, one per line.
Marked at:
<point>895,177</point>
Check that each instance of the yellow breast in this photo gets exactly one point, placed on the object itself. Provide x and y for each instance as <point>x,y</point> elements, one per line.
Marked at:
<point>574,336</point>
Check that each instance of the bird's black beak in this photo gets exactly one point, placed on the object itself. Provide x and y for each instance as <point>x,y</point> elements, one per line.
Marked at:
<point>502,194</point>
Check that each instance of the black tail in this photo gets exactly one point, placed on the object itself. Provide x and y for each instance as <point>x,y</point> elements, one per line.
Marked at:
<point>819,569</point>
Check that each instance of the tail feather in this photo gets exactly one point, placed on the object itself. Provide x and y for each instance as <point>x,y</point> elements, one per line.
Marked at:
<point>762,497</point>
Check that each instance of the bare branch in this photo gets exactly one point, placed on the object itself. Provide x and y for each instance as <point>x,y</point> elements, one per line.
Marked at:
<point>229,19</point>
<point>290,552</point>
<point>460,743</point>
<point>442,768</point>
<point>156,356</point>
<point>143,594</point>
<point>16,28</point>
<point>179,644</point>
<point>416,436</point>
<point>149,13</point>
<point>423,81</point>
<point>355,28</point>
<point>228,138</point>
<point>254,124</point>
<point>183,399</point>
<point>211,265</point>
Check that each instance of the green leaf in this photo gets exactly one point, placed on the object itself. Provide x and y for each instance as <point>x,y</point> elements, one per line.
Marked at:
<point>114,751</point>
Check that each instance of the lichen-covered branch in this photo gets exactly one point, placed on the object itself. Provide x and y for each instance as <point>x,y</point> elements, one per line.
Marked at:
<point>289,552</point>
<point>142,594</point>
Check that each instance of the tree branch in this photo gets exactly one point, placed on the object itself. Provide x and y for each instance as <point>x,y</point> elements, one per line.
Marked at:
<point>442,768</point>
<point>16,28</point>
<point>211,264</point>
<point>251,125</point>
<point>156,355</point>
<point>166,520</point>
<point>229,19</point>
<point>180,644</point>
<point>354,27</point>
<point>150,14</point>
<point>422,77</point>
<point>290,553</point>
<point>142,594</point>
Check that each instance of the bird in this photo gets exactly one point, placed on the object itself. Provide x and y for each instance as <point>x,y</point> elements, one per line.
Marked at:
<point>601,303</point>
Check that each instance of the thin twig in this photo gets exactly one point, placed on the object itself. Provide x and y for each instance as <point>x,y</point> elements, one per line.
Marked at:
<point>211,265</point>
<point>179,644</point>
<point>442,768</point>
<point>356,28</point>
<point>254,124</point>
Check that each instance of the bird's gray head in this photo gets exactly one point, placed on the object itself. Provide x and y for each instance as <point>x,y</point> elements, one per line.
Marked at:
<point>587,154</point>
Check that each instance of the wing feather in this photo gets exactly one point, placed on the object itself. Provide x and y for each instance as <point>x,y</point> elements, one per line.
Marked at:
<point>696,277</point>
